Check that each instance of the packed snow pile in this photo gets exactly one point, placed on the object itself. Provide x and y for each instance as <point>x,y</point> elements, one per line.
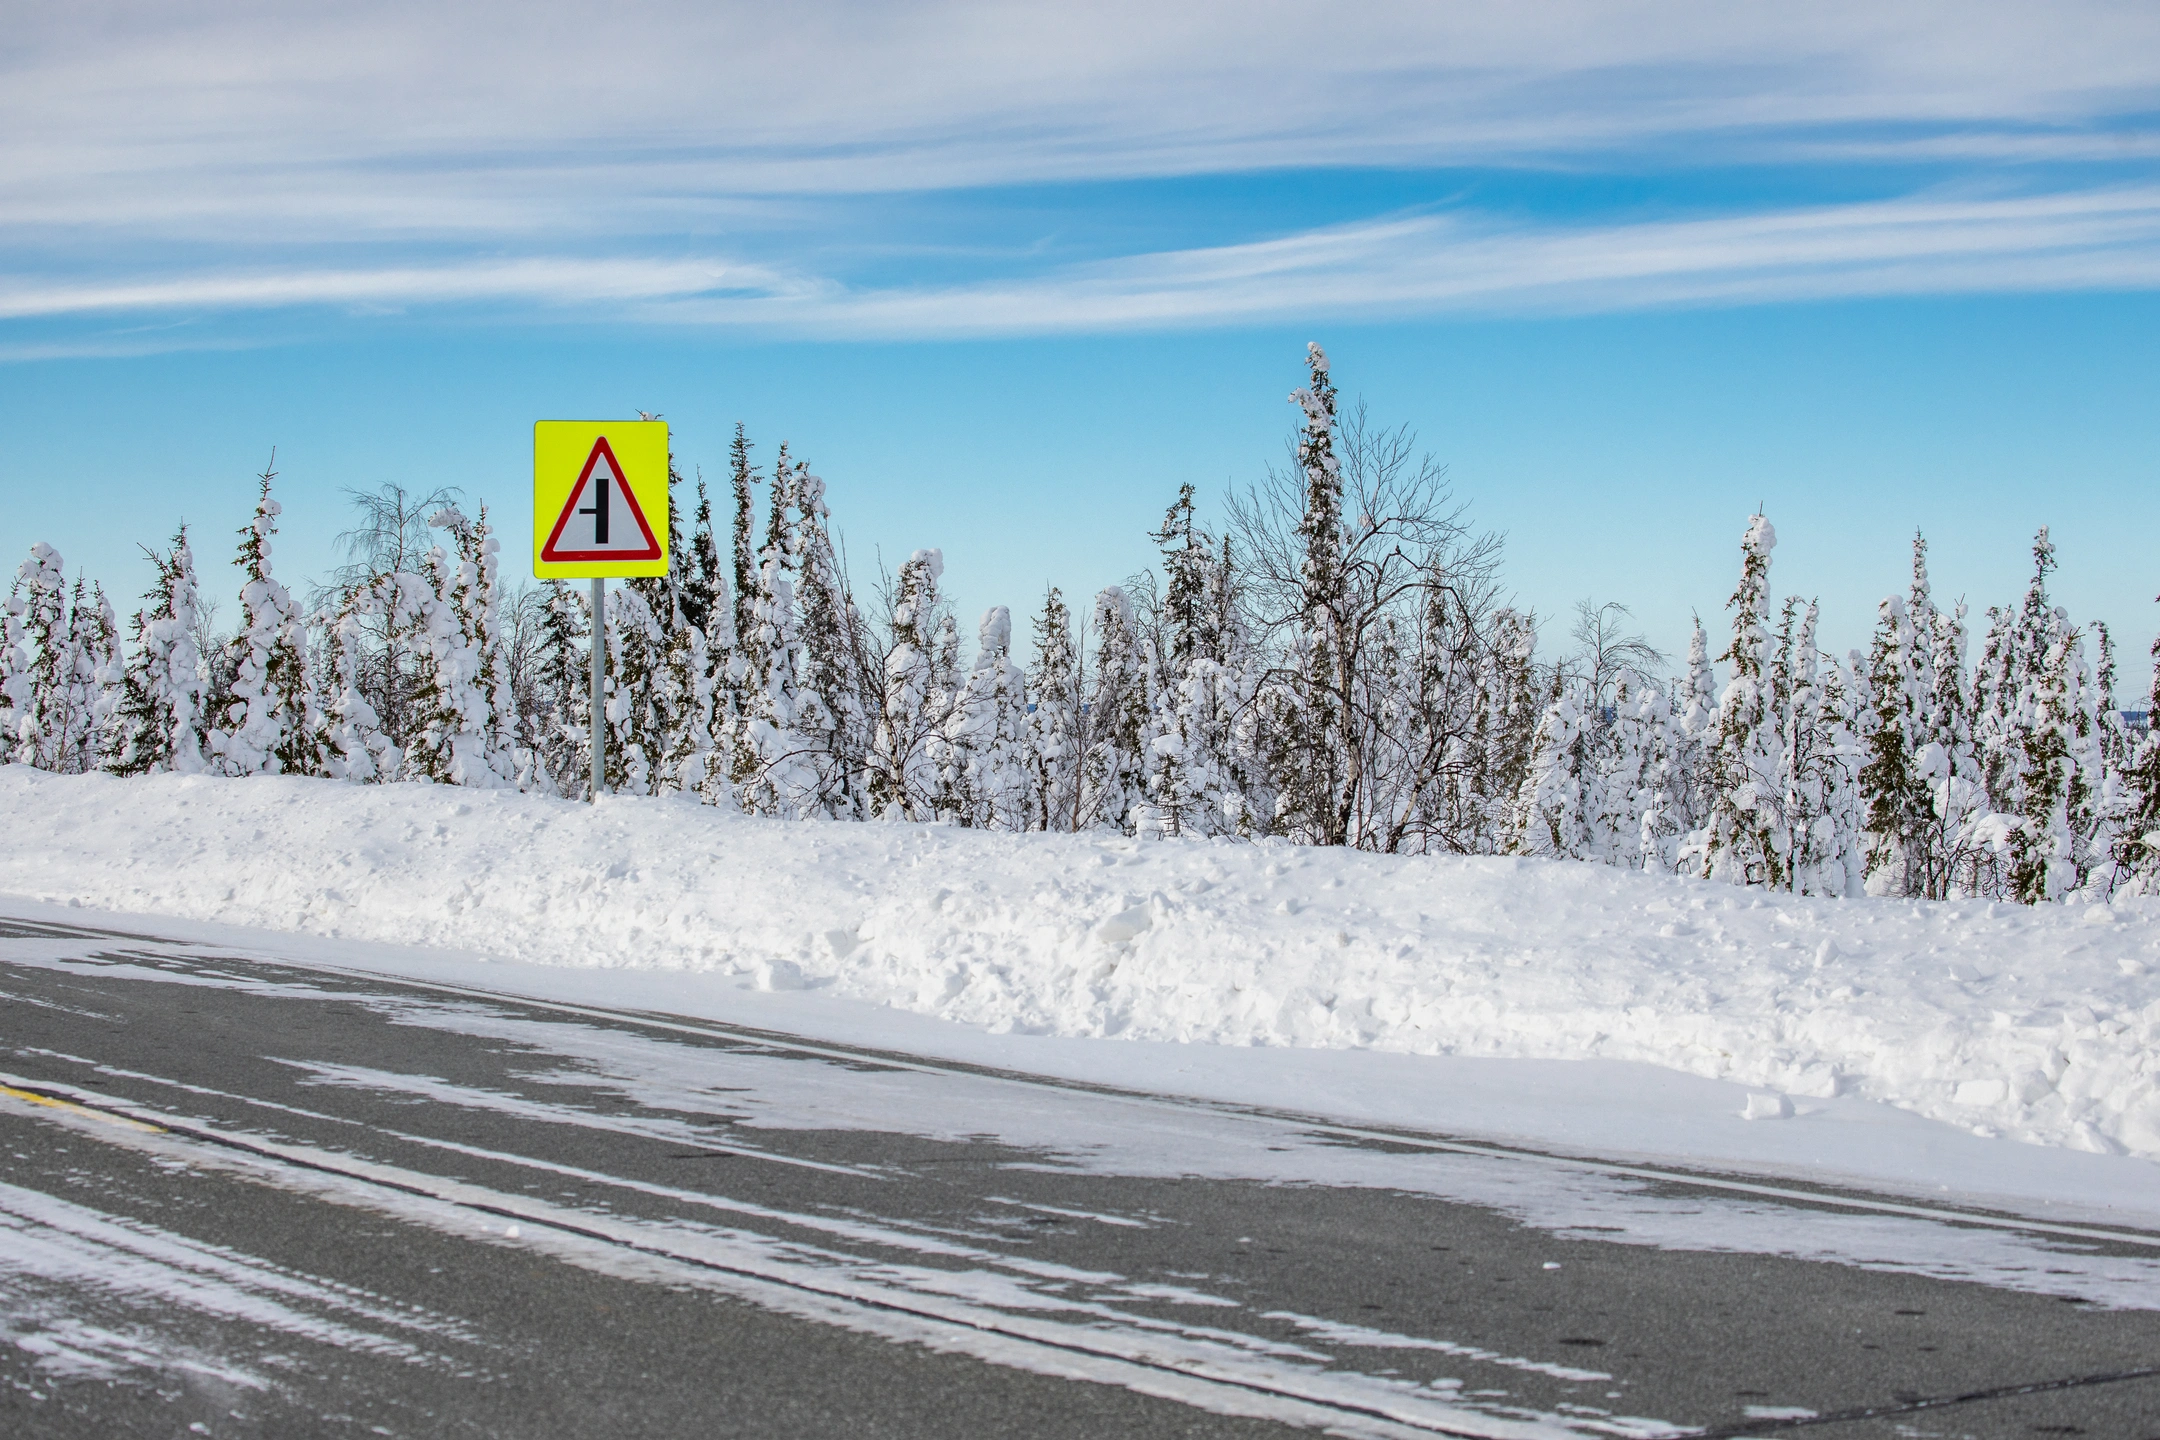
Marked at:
<point>2038,1023</point>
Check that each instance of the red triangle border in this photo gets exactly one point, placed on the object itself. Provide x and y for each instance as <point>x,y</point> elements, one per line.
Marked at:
<point>550,555</point>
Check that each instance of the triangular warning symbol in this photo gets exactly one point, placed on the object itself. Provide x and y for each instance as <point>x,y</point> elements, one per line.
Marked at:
<point>601,519</point>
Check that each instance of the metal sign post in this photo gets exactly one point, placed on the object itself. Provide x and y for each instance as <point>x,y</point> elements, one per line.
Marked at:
<point>599,686</point>
<point>600,511</point>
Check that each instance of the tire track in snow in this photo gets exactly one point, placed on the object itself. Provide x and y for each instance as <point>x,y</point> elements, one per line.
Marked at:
<point>1220,1371</point>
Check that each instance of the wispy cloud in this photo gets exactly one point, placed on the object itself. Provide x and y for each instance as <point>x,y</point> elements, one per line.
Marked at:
<point>1417,264</point>
<point>547,280</point>
<point>1469,264</point>
<point>687,163</point>
<point>539,116</point>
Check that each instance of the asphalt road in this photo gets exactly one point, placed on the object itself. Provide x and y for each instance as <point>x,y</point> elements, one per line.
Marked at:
<point>246,1198</point>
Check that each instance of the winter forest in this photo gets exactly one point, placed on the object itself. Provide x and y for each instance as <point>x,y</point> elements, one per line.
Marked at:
<point>1339,666</point>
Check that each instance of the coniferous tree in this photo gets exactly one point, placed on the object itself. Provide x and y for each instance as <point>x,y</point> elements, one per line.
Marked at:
<point>465,735</point>
<point>774,766</point>
<point>1113,775</point>
<point>1311,752</point>
<point>1740,843</point>
<point>2137,843</point>
<point>269,726</point>
<point>1892,787</point>
<point>903,771</point>
<point>1194,785</point>
<point>1921,781</point>
<point>635,650</point>
<point>159,725</point>
<point>667,693</point>
<point>15,685</point>
<point>986,779</point>
<point>1962,859</point>
<point>832,718</point>
<point>352,742</point>
<point>2037,736</point>
<point>93,685</point>
<point>704,583</point>
<point>1816,812</point>
<point>561,733</point>
<point>38,660</point>
<point>1558,794</point>
<point>1054,727</point>
<point>1642,775</point>
<point>741,476</point>
<point>1682,803</point>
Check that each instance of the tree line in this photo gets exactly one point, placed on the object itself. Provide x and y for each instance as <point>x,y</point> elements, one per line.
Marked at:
<point>1338,666</point>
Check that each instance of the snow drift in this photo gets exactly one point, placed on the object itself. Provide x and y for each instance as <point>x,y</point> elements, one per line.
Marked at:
<point>2041,1024</point>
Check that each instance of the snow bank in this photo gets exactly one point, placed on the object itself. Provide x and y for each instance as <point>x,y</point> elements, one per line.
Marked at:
<point>2042,1024</point>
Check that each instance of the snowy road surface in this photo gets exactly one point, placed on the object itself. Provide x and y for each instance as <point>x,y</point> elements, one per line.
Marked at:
<point>252,1198</point>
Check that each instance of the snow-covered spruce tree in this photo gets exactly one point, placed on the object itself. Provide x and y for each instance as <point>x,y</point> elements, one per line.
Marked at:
<point>773,766</point>
<point>1506,700</point>
<point>2035,728</point>
<point>1113,775</point>
<point>38,660</point>
<point>1965,862</point>
<point>727,705</point>
<point>1641,774</point>
<point>376,630</point>
<point>1194,779</point>
<point>1314,800</point>
<point>560,729</point>
<point>903,771</point>
<point>1741,843</point>
<point>704,582</point>
<point>708,607</point>
<point>947,686</point>
<point>15,707</point>
<point>1198,778</point>
<point>465,734</point>
<point>681,750</point>
<point>636,646</point>
<point>2137,833</point>
<point>1054,732</point>
<point>667,691</point>
<point>65,684</point>
<point>93,683</point>
<point>2115,751</point>
<point>159,724</point>
<point>833,718</point>
<point>1817,810</point>
<point>479,600</point>
<point>986,735</point>
<point>1892,786</point>
<point>1558,796</point>
<point>1921,780</point>
<point>741,476</point>
<point>351,739</point>
<point>1682,804</point>
<point>689,759</point>
<point>269,727</point>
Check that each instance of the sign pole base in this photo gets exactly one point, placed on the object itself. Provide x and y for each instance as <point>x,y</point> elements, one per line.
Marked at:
<point>599,686</point>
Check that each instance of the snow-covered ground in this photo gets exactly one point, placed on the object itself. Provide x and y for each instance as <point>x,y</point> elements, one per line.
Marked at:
<point>2039,1025</point>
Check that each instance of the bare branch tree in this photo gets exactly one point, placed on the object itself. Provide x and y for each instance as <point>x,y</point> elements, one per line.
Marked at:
<point>1333,641</point>
<point>1605,648</point>
<point>390,537</point>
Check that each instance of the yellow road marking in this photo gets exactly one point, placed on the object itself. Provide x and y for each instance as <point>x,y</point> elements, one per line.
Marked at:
<point>72,1108</point>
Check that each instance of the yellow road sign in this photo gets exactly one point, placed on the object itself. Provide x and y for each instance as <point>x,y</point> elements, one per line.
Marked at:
<point>600,498</point>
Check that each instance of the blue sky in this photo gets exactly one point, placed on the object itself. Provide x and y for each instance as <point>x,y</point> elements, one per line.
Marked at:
<point>1008,278</point>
